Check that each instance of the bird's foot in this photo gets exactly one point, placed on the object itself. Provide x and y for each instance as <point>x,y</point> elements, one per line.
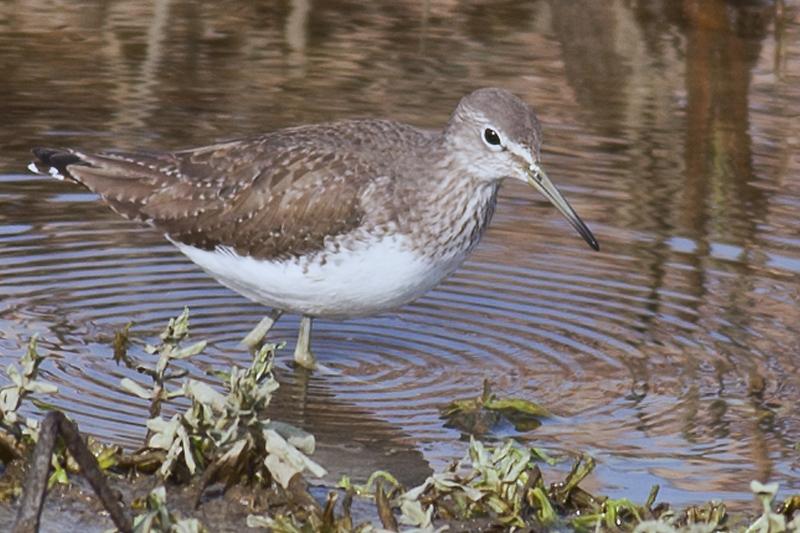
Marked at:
<point>302,352</point>
<point>304,357</point>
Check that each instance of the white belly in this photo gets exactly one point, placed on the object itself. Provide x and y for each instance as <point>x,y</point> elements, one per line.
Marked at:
<point>348,283</point>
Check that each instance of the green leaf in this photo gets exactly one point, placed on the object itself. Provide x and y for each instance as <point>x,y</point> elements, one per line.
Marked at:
<point>205,394</point>
<point>41,387</point>
<point>519,406</point>
<point>135,389</point>
<point>189,351</point>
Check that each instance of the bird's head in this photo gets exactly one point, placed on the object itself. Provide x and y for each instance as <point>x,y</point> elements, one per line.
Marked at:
<point>500,136</point>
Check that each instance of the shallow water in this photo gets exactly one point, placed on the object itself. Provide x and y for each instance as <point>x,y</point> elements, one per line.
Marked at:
<point>671,355</point>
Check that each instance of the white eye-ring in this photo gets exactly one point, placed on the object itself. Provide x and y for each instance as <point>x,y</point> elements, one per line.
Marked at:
<point>492,138</point>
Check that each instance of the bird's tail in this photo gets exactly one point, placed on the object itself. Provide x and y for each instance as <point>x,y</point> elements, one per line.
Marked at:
<point>54,162</point>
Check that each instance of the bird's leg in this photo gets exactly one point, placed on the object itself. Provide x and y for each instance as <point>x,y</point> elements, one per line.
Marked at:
<point>302,352</point>
<point>260,331</point>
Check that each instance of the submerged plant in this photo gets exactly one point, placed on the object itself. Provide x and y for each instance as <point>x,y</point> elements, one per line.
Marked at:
<point>168,350</point>
<point>24,384</point>
<point>500,486</point>
<point>158,519</point>
<point>19,433</point>
<point>478,416</point>
<point>222,435</point>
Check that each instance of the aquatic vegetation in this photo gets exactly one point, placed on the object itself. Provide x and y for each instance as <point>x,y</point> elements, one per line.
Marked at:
<point>502,489</point>
<point>158,519</point>
<point>479,416</point>
<point>224,437</point>
<point>24,384</point>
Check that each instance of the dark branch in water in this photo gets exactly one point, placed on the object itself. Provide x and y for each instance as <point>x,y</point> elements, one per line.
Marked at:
<point>30,511</point>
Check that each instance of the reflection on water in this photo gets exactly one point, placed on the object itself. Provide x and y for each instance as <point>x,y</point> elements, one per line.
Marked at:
<point>672,127</point>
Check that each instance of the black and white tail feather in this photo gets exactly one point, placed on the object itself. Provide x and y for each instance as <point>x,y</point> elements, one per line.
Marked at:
<point>54,162</point>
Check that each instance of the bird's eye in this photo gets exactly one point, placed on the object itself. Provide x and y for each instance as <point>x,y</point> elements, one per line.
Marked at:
<point>491,137</point>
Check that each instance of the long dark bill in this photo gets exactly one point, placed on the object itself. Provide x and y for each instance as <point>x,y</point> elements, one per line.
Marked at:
<point>539,181</point>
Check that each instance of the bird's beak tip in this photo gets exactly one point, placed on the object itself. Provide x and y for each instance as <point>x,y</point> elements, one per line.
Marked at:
<point>537,178</point>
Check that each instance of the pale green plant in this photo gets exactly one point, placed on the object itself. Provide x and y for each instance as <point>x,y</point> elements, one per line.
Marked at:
<point>224,429</point>
<point>24,384</point>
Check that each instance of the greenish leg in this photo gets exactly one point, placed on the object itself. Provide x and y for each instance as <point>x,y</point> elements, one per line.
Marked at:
<point>260,331</point>
<point>302,352</point>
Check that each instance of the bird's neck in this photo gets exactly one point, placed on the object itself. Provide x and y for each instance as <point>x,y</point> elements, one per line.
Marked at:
<point>456,211</point>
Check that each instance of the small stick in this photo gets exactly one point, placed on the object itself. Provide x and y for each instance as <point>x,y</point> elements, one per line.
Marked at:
<point>30,510</point>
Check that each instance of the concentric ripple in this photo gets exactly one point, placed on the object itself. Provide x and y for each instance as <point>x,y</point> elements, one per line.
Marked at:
<point>641,363</point>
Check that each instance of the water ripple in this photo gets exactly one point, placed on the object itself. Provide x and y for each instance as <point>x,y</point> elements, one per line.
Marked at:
<point>637,359</point>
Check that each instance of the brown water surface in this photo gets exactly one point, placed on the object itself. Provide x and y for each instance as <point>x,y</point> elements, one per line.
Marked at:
<point>672,127</point>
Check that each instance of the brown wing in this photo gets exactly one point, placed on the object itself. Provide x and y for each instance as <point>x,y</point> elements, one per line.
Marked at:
<point>275,196</point>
